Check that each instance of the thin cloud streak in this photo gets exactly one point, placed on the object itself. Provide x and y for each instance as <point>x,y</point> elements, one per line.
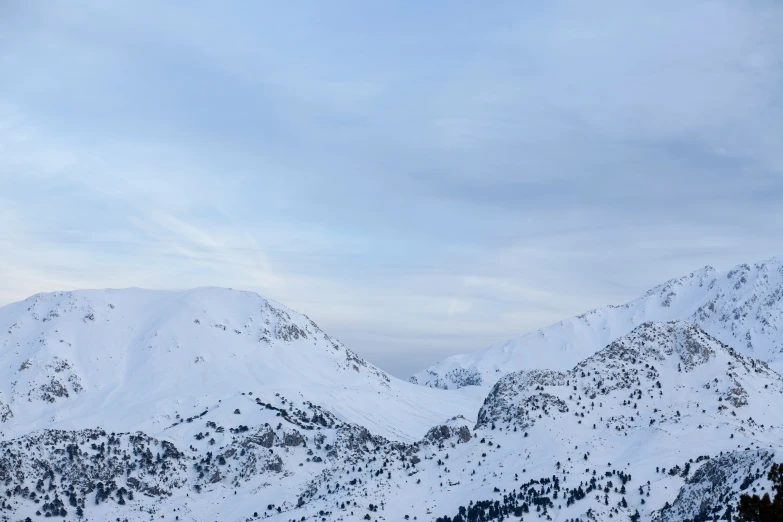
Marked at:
<point>421,180</point>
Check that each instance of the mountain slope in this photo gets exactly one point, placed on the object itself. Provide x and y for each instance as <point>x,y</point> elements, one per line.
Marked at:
<point>742,307</point>
<point>134,359</point>
<point>628,430</point>
<point>666,422</point>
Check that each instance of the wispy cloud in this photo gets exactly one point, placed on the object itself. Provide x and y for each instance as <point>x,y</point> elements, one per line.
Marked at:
<point>420,179</point>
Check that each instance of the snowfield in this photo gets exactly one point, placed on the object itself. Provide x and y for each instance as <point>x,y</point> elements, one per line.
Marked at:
<point>219,405</point>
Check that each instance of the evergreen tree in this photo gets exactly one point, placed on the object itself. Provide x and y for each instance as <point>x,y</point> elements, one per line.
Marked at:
<point>755,509</point>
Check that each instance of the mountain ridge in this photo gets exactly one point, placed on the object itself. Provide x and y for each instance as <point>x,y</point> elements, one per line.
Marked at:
<point>66,355</point>
<point>741,307</point>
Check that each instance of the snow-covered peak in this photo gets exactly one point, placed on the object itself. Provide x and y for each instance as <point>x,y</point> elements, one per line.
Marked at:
<point>742,307</point>
<point>135,359</point>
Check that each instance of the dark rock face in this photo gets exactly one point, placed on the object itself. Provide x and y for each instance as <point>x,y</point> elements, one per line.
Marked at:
<point>501,403</point>
<point>440,433</point>
<point>355,439</point>
<point>457,378</point>
<point>275,464</point>
<point>5,412</point>
<point>289,332</point>
<point>53,390</point>
<point>462,377</point>
<point>293,439</point>
<point>453,431</point>
<point>264,437</point>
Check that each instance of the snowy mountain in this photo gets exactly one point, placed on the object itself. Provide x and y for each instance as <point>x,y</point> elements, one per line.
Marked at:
<point>128,360</point>
<point>665,423</point>
<point>742,307</point>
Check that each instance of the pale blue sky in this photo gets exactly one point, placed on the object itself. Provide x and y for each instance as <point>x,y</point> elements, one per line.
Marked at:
<point>420,178</point>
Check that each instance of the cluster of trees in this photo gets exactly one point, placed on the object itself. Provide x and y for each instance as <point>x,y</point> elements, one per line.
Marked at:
<point>70,464</point>
<point>535,494</point>
<point>541,495</point>
<point>55,508</point>
<point>764,509</point>
<point>486,510</point>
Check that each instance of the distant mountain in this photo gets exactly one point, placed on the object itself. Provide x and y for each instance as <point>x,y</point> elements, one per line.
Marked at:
<point>128,360</point>
<point>742,307</point>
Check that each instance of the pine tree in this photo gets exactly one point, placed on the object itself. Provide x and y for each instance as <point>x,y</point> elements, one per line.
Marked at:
<point>755,509</point>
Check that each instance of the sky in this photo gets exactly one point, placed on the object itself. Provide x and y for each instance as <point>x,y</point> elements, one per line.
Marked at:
<point>419,178</point>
